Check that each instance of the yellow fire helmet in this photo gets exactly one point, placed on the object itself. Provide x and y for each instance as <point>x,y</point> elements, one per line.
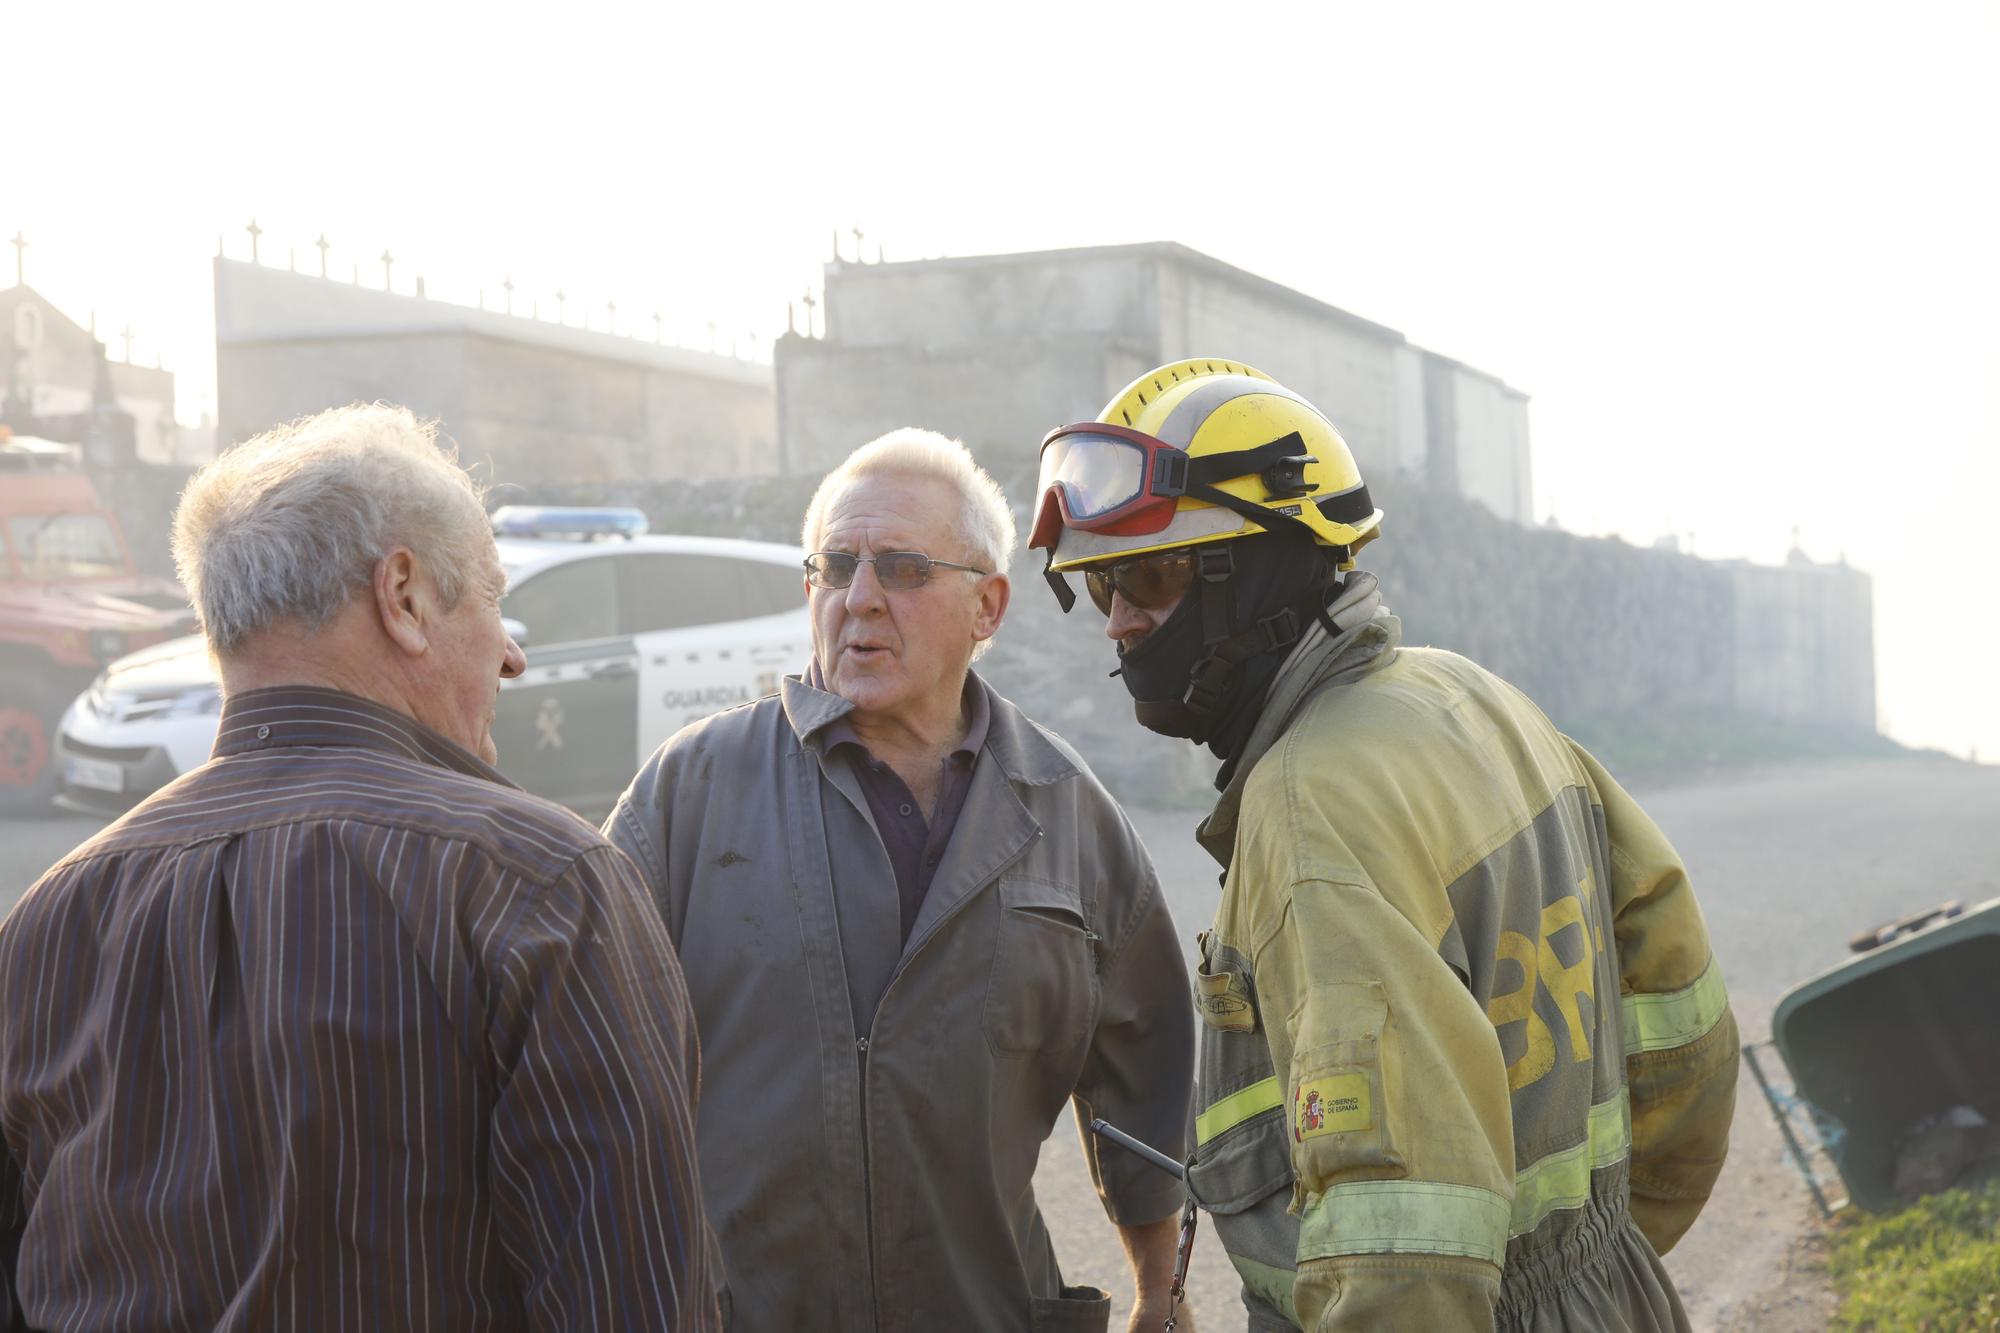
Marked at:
<point>1198,451</point>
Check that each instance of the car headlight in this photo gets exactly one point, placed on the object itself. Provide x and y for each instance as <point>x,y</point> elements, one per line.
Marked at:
<point>106,644</point>
<point>197,702</point>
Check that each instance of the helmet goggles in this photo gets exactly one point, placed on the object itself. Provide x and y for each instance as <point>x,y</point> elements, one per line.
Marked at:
<point>1110,479</point>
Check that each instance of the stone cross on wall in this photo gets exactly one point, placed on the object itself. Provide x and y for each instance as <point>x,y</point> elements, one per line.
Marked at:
<point>856,234</point>
<point>560,298</point>
<point>507,286</point>
<point>611,317</point>
<point>810,302</point>
<point>388,270</point>
<point>20,244</point>
<point>322,243</point>
<point>255,231</point>
<point>126,334</point>
<point>656,326</point>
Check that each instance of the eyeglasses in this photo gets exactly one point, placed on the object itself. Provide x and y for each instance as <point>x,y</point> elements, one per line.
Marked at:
<point>898,571</point>
<point>1149,582</point>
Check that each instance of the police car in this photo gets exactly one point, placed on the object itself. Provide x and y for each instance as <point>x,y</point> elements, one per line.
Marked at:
<point>628,637</point>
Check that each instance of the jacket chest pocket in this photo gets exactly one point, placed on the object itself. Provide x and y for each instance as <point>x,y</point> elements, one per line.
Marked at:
<point>1042,994</point>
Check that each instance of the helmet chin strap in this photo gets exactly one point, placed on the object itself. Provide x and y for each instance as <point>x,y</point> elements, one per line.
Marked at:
<point>1212,680</point>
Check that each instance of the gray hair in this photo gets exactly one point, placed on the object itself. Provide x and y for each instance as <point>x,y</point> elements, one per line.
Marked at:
<point>285,527</point>
<point>982,521</point>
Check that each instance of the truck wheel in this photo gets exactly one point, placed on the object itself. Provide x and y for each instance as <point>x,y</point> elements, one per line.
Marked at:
<point>29,713</point>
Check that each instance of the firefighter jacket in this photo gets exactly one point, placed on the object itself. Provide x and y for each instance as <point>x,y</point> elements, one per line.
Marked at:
<point>872,1109</point>
<point>1466,1058</point>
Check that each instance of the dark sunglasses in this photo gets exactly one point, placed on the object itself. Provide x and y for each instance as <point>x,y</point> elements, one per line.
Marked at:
<point>1148,582</point>
<point>898,571</point>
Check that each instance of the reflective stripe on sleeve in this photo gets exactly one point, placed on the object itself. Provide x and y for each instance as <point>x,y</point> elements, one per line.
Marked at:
<point>1237,1107</point>
<point>1674,1018</point>
<point>1562,1179</point>
<point>1404,1217</point>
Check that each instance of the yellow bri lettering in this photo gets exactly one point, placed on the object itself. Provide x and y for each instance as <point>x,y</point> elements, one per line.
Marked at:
<point>1518,1005</point>
<point>1567,984</point>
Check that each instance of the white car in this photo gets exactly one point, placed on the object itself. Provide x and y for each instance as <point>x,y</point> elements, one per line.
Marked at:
<point>628,638</point>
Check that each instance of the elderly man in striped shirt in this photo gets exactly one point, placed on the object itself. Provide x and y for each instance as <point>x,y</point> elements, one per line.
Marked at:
<point>342,1030</point>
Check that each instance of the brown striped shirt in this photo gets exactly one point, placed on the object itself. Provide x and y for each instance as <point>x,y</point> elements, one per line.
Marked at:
<point>343,1030</point>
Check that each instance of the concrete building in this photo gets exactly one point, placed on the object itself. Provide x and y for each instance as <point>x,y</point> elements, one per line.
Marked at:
<point>533,400</point>
<point>56,379</point>
<point>1805,642</point>
<point>998,349</point>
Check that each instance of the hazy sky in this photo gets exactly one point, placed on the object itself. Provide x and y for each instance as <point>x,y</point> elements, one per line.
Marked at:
<point>1745,258</point>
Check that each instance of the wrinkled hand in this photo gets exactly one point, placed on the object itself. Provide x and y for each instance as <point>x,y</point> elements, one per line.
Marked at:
<point>1150,1316</point>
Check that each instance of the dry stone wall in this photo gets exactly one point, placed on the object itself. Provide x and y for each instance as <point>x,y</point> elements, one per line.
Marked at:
<point>1590,628</point>
<point>1596,631</point>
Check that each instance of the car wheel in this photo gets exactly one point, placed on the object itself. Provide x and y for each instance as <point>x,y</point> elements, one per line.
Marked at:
<point>28,716</point>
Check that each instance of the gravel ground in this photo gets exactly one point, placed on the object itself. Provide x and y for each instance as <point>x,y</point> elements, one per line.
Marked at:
<point>1788,861</point>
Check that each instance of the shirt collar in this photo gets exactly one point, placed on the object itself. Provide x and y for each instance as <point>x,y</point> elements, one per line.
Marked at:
<point>835,724</point>
<point>307,715</point>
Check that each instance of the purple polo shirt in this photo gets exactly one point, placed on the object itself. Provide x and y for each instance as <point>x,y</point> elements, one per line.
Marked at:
<point>915,846</point>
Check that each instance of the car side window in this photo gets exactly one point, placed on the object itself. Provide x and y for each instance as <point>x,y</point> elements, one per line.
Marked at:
<point>668,591</point>
<point>571,602</point>
<point>773,588</point>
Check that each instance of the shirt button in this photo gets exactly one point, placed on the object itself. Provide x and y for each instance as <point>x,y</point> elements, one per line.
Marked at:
<point>263,733</point>
<point>906,807</point>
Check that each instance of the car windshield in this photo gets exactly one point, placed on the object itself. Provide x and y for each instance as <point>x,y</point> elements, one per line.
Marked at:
<point>60,546</point>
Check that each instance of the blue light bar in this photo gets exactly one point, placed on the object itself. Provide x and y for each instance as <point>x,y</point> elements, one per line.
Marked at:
<point>566,521</point>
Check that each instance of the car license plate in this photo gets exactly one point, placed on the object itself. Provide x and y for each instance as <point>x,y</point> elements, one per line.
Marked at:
<point>93,773</point>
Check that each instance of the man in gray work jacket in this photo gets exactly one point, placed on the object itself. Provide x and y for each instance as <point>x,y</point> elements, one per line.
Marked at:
<point>913,924</point>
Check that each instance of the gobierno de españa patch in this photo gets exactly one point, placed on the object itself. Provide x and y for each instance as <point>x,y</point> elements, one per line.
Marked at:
<point>1331,1104</point>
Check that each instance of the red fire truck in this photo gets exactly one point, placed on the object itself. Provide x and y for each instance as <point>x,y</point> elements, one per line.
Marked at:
<point>71,601</point>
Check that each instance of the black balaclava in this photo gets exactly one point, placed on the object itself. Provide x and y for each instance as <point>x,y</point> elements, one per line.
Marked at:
<point>1273,571</point>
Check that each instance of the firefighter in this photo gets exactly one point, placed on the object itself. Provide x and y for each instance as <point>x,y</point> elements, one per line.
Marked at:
<point>1467,1060</point>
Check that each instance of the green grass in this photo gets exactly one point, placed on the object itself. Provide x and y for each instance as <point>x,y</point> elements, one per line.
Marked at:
<point>1934,1266</point>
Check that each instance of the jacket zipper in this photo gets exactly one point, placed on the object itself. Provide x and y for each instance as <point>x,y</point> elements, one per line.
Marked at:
<point>867,1180</point>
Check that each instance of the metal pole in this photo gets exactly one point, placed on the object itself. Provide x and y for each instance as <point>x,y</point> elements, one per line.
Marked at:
<point>1130,1144</point>
<point>1792,1143</point>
